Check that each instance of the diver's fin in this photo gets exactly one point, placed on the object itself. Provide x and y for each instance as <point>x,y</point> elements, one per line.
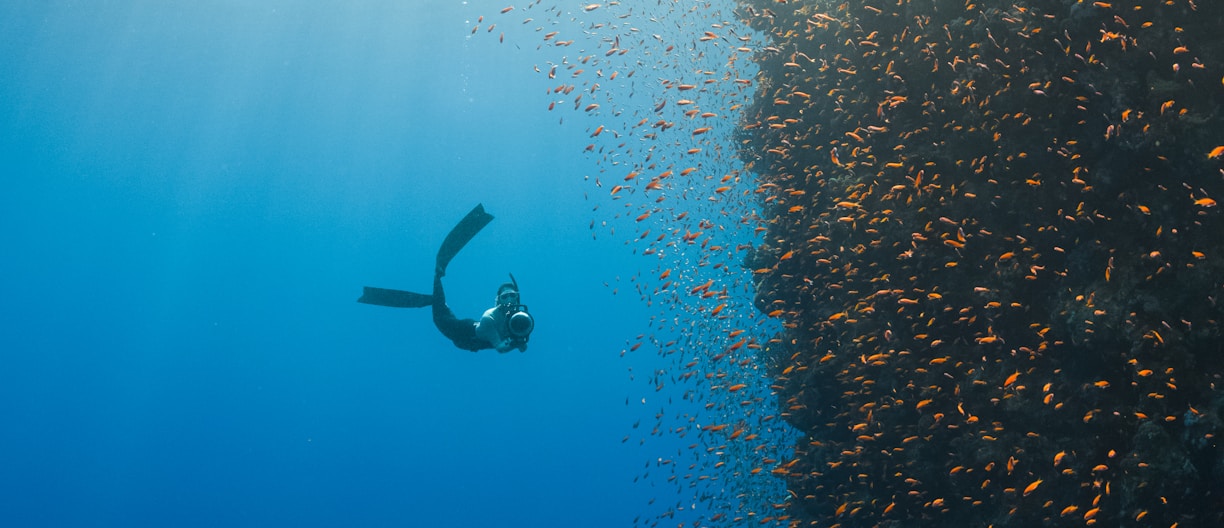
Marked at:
<point>461,234</point>
<point>394,298</point>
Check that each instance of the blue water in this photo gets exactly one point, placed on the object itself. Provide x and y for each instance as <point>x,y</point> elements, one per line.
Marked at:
<point>194,195</point>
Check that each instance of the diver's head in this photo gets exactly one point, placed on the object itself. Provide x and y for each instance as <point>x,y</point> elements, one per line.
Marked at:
<point>507,295</point>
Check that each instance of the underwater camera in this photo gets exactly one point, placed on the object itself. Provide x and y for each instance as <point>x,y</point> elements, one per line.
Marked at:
<point>519,323</point>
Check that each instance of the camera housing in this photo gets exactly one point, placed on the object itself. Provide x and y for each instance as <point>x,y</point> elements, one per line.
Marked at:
<point>519,322</point>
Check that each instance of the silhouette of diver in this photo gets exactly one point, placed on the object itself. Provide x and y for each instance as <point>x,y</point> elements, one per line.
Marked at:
<point>505,327</point>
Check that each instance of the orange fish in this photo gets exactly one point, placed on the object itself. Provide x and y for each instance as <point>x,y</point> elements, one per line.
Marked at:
<point>1011,379</point>
<point>705,286</point>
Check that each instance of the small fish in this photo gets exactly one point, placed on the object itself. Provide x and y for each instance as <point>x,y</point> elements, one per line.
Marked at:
<point>1011,379</point>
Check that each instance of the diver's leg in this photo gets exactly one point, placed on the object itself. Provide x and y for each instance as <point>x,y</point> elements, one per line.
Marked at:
<point>459,236</point>
<point>439,294</point>
<point>461,331</point>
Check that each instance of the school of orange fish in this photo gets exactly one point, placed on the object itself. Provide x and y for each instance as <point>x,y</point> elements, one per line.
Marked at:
<point>660,115</point>
<point>982,241</point>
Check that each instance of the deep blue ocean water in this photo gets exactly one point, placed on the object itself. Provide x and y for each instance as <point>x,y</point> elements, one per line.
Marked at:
<point>195,194</point>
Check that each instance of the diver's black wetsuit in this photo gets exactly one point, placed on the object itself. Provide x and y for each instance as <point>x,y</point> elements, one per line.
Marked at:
<point>461,331</point>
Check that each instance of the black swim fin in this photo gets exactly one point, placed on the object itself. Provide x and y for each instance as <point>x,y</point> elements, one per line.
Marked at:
<point>461,234</point>
<point>394,298</point>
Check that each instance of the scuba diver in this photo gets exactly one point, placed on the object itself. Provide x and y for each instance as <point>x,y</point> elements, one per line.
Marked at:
<point>504,327</point>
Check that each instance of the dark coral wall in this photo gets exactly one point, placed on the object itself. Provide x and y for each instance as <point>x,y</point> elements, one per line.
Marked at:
<point>994,243</point>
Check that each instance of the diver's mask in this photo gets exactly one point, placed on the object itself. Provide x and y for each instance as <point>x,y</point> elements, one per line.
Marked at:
<point>508,298</point>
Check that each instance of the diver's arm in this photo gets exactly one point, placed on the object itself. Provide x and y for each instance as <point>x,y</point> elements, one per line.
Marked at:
<point>490,328</point>
<point>486,329</point>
